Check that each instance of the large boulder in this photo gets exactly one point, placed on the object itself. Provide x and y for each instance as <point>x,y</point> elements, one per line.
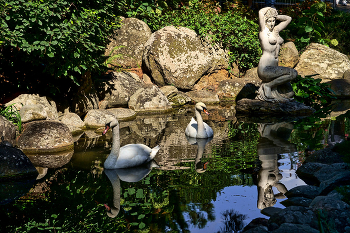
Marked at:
<point>149,99</point>
<point>73,121</point>
<point>45,137</point>
<point>179,57</point>
<point>341,87</point>
<point>211,81</point>
<point>245,87</point>
<point>31,112</point>
<point>127,44</point>
<point>96,118</point>
<point>51,160</point>
<point>47,105</point>
<point>289,55</point>
<point>7,130</point>
<point>15,164</point>
<point>207,97</point>
<point>117,91</point>
<point>320,60</point>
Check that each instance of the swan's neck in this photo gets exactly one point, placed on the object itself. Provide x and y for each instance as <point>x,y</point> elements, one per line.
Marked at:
<point>115,181</point>
<point>111,161</point>
<point>201,130</point>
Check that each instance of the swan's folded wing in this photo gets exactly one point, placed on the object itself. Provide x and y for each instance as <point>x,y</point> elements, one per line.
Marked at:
<point>192,128</point>
<point>132,155</point>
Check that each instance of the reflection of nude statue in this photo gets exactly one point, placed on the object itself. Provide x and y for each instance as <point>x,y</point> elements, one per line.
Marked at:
<point>276,79</point>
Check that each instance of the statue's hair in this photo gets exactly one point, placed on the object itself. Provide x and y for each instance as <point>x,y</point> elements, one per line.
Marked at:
<point>270,13</point>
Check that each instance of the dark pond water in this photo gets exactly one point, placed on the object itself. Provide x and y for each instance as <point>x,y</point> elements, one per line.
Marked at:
<point>216,185</point>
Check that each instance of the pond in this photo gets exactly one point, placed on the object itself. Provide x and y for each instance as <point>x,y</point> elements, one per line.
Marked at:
<point>214,185</point>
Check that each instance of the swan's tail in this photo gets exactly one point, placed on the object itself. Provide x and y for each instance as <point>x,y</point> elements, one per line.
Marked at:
<point>154,151</point>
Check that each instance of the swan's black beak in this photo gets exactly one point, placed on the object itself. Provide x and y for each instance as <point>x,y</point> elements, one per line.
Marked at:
<point>107,127</point>
<point>206,111</point>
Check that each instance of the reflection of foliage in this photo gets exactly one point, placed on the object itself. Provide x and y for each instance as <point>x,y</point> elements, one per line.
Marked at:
<point>309,133</point>
<point>241,150</point>
<point>71,204</point>
<point>233,221</point>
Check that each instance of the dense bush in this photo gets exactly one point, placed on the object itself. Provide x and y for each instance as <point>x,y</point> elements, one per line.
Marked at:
<point>309,25</point>
<point>62,39</point>
<point>233,28</point>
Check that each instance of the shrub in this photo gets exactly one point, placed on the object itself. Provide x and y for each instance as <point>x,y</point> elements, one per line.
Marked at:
<point>63,39</point>
<point>232,28</point>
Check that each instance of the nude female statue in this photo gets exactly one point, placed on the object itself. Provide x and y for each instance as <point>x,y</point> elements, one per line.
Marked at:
<point>276,79</point>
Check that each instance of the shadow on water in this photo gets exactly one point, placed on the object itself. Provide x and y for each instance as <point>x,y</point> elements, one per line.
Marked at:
<point>212,185</point>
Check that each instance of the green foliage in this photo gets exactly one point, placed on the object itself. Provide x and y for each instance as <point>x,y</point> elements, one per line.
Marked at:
<point>12,114</point>
<point>64,38</point>
<point>233,29</point>
<point>308,24</point>
<point>312,92</point>
<point>343,149</point>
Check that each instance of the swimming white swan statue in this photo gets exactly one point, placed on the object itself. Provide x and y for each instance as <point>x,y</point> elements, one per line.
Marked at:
<point>199,129</point>
<point>134,174</point>
<point>130,155</point>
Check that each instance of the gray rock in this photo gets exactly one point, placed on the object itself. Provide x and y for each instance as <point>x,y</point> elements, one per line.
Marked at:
<point>149,99</point>
<point>83,102</point>
<point>204,96</point>
<point>293,228</point>
<point>340,87</point>
<point>329,171</point>
<point>288,56</point>
<point>269,211</point>
<point>45,137</point>
<point>168,90</point>
<point>326,156</point>
<point>117,91</point>
<point>34,99</point>
<point>14,164</point>
<point>179,99</point>
<point>296,215</point>
<point>339,178</point>
<point>127,44</point>
<point>8,130</point>
<point>178,56</point>
<point>257,107</point>
<point>328,203</point>
<point>73,121</point>
<point>319,59</point>
<point>258,229</point>
<point>96,118</point>
<point>297,201</point>
<point>32,112</point>
<point>123,114</point>
<point>306,191</point>
<point>238,88</point>
<point>307,172</point>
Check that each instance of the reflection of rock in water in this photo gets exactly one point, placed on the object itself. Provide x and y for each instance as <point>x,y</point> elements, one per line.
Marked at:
<point>13,190</point>
<point>51,160</point>
<point>273,141</point>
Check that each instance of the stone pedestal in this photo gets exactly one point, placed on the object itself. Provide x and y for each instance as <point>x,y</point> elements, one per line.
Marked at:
<point>258,107</point>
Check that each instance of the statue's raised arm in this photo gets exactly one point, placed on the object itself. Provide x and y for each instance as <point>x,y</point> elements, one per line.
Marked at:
<point>276,79</point>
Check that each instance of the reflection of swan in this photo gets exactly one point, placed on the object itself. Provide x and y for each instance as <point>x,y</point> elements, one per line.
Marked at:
<point>134,174</point>
<point>130,155</point>
<point>201,142</point>
<point>199,129</point>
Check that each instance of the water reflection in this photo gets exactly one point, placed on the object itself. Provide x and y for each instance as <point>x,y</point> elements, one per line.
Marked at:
<point>134,174</point>
<point>273,142</point>
<point>200,142</point>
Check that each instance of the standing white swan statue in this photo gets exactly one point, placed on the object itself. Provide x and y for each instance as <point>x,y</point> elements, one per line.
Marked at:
<point>130,155</point>
<point>199,129</point>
